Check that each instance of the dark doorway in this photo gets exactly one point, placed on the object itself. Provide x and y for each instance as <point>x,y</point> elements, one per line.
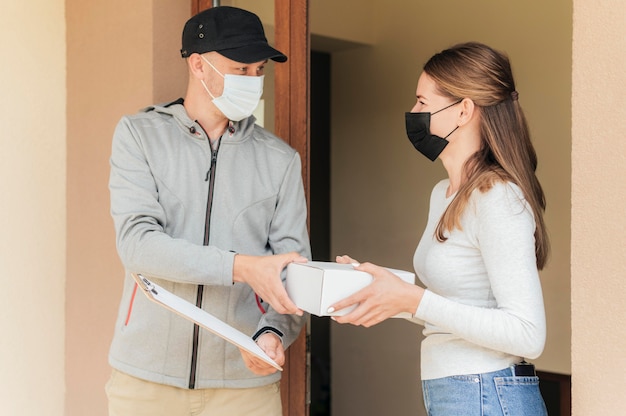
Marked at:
<point>320,223</point>
<point>556,390</point>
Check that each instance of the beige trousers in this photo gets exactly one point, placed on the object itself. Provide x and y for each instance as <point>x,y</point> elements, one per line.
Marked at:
<point>130,396</point>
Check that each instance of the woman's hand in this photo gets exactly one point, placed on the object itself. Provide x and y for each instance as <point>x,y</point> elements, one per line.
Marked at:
<point>386,296</point>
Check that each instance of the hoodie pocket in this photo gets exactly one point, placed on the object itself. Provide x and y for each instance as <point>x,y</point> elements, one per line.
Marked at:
<point>130,305</point>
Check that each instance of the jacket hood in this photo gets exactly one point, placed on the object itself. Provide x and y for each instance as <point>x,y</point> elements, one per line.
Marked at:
<point>236,131</point>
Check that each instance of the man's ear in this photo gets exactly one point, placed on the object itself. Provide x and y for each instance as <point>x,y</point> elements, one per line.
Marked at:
<point>468,109</point>
<point>196,65</point>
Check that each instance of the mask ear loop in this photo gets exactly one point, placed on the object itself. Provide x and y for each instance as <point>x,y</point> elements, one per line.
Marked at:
<point>207,88</point>
<point>446,107</point>
<point>432,114</point>
<point>211,65</point>
<point>215,69</point>
<point>446,138</point>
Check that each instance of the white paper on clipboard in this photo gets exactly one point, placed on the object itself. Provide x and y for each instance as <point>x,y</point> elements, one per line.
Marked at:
<point>201,317</point>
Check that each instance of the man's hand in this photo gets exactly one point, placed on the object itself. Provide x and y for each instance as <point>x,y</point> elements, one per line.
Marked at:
<point>262,274</point>
<point>273,347</point>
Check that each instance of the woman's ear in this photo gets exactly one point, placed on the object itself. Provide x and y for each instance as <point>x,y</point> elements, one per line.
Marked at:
<point>467,111</point>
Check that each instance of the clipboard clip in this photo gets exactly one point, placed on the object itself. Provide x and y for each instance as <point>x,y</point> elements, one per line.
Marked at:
<point>147,285</point>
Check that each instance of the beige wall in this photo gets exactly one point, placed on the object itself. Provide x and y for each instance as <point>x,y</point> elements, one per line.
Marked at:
<point>381,185</point>
<point>56,245</point>
<point>598,201</point>
<point>109,64</point>
<point>119,59</point>
<point>32,207</point>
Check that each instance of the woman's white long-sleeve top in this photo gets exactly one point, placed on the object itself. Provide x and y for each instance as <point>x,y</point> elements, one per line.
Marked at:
<point>483,308</point>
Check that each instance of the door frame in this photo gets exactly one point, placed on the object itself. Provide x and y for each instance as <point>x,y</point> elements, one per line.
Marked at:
<point>291,97</point>
<point>291,118</point>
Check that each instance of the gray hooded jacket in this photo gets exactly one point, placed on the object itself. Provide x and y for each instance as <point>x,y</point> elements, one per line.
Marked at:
<point>182,210</point>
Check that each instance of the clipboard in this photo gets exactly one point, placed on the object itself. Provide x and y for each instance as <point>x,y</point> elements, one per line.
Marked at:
<point>201,317</point>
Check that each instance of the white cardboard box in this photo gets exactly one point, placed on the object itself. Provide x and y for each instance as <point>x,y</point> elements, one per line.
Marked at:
<point>314,286</point>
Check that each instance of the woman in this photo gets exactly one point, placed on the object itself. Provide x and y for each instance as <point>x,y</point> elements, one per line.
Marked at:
<point>483,245</point>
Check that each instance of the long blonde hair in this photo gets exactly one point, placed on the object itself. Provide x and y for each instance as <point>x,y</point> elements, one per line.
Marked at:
<point>476,71</point>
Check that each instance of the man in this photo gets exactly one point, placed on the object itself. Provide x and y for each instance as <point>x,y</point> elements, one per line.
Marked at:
<point>211,207</point>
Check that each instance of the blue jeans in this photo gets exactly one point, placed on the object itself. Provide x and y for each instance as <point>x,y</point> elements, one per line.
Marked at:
<point>498,393</point>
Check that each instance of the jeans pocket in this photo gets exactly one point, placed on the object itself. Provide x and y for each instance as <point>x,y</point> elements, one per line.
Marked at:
<point>520,396</point>
<point>456,395</point>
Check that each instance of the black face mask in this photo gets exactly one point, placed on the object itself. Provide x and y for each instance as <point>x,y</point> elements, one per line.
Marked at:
<point>418,131</point>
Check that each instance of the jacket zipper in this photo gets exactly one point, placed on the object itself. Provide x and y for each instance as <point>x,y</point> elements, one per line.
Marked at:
<point>207,231</point>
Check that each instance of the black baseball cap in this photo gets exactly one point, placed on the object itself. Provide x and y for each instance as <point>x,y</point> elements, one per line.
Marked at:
<point>234,33</point>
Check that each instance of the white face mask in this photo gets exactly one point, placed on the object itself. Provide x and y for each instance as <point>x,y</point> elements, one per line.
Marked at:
<point>241,94</point>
